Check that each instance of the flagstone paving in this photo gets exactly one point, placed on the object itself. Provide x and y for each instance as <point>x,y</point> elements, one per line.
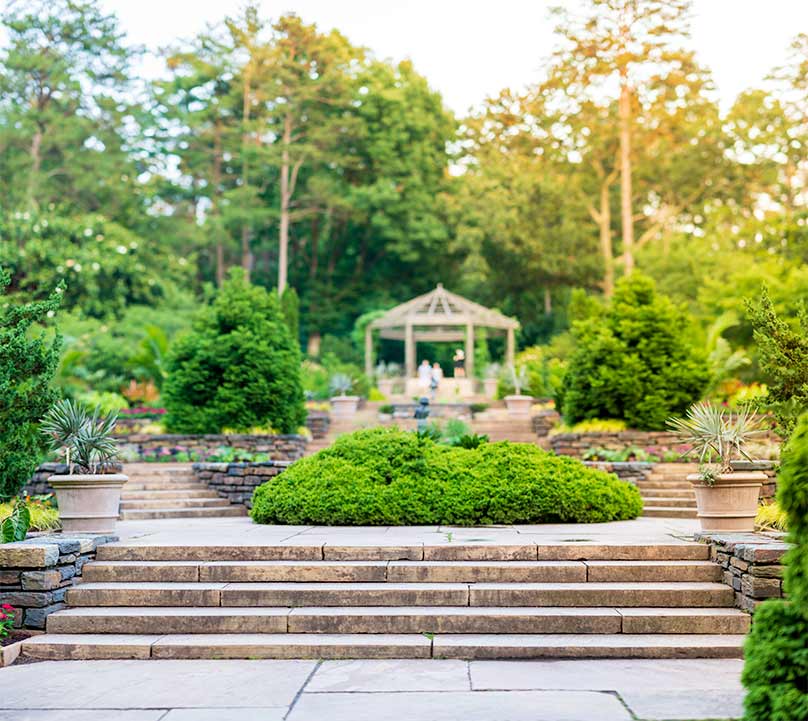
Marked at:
<point>362,690</point>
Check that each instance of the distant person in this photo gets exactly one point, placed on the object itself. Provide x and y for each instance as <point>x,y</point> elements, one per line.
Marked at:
<point>435,379</point>
<point>459,364</point>
<point>424,374</point>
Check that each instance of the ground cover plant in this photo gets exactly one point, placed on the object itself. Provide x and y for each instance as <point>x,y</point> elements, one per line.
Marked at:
<point>776,669</point>
<point>386,476</point>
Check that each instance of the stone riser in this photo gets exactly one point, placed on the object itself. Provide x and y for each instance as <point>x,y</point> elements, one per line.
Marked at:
<point>139,515</point>
<point>203,492</point>
<point>657,502</point>
<point>142,504</point>
<point>458,619</point>
<point>298,595</point>
<point>248,646</point>
<point>447,552</point>
<point>153,485</point>
<point>654,512</point>
<point>402,571</point>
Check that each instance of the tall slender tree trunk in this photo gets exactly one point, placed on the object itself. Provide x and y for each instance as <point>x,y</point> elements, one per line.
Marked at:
<point>286,197</point>
<point>548,301</point>
<point>605,227</point>
<point>36,166</point>
<point>246,231</point>
<point>627,216</point>
<point>216,209</point>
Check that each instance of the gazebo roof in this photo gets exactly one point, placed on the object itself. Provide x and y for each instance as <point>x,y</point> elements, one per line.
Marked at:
<point>441,308</point>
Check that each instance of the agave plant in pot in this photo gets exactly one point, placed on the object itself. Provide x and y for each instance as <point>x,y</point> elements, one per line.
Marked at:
<point>518,405</point>
<point>89,493</point>
<point>343,405</point>
<point>727,499</point>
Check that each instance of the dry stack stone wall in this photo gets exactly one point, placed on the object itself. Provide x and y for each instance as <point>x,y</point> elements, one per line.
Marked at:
<point>626,471</point>
<point>237,481</point>
<point>149,447</point>
<point>36,573</point>
<point>575,444</point>
<point>752,564</point>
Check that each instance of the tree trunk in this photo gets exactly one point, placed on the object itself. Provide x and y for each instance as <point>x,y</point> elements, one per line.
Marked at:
<point>627,217</point>
<point>36,166</point>
<point>548,302</point>
<point>605,225</point>
<point>286,197</point>
<point>246,254</point>
<point>313,346</point>
<point>214,197</point>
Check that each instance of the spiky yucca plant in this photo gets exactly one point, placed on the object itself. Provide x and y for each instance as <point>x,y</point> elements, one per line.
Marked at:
<point>86,440</point>
<point>715,435</point>
<point>341,384</point>
<point>518,378</point>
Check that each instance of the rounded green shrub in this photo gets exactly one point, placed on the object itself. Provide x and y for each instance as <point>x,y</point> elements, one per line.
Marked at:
<point>389,477</point>
<point>239,368</point>
<point>776,669</point>
<point>632,361</point>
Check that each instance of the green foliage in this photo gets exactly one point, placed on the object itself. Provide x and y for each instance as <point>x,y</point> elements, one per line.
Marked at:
<point>238,368</point>
<point>28,363</point>
<point>633,362</point>
<point>84,439</point>
<point>784,359</point>
<point>776,669</point>
<point>6,620</point>
<point>290,309</point>
<point>392,477</point>
<point>14,527</point>
<point>544,368</point>
<point>622,455</point>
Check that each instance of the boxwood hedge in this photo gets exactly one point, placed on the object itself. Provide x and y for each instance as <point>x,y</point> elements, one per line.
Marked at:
<point>386,476</point>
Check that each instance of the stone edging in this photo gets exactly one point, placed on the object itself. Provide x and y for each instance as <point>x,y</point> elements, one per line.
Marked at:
<point>752,564</point>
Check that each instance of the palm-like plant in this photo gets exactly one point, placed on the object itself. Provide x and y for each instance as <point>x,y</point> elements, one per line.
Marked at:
<point>341,384</point>
<point>518,378</point>
<point>86,440</point>
<point>716,435</point>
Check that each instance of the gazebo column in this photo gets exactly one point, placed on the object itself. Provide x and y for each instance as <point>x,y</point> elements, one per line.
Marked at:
<point>368,352</point>
<point>470,350</point>
<point>510,345</point>
<point>409,350</point>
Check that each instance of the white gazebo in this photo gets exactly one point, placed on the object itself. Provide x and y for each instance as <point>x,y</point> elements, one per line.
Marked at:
<point>438,316</point>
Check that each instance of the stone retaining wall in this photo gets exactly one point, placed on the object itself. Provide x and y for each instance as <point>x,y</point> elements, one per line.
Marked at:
<point>148,447</point>
<point>752,564</point>
<point>237,481</point>
<point>544,421</point>
<point>631,471</point>
<point>36,573</point>
<point>575,444</point>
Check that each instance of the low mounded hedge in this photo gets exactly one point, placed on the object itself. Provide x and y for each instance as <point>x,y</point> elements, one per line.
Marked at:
<point>386,476</point>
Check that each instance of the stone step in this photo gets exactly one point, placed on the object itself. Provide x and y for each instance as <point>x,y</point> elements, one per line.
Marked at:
<point>400,571</point>
<point>667,492</point>
<point>173,512</point>
<point>661,512</point>
<point>666,502</point>
<point>153,485</point>
<point>140,504</point>
<point>666,485</point>
<point>402,619</point>
<point>324,646</point>
<point>674,594</point>
<point>203,492</point>
<point>572,551</point>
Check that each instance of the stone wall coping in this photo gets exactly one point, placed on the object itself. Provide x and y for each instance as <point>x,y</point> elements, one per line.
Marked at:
<point>171,437</point>
<point>44,550</point>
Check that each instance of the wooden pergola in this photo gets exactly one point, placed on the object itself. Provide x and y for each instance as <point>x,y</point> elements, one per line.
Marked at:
<point>438,316</point>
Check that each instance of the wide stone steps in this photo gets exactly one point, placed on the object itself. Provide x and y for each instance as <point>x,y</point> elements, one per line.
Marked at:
<point>665,512</point>
<point>168,493</point>
<point>331,646</point>
<point>401,571</point>
<point>555,600</point>
<point>397,619</point>
<point>146,504</point>
<point>668,502</point>
<point>170,511</point>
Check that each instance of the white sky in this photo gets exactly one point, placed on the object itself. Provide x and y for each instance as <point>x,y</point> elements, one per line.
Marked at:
<point>469,49</point>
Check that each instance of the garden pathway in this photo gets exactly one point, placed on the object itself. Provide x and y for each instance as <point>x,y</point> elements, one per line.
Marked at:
<point>393,690</point>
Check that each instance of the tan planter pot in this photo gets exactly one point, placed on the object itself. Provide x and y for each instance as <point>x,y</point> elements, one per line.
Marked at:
<point>385,386</point>
<point>519,406</point>
<point>490,387</point>
<point>344,406</point>
<point>88,503</point>
<point>731,503</point>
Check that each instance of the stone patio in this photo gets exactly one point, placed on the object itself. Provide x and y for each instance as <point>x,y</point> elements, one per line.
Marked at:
<point>372,690</point>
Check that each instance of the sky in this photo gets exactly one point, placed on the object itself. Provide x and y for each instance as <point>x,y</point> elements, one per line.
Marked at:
<point>471,49</point>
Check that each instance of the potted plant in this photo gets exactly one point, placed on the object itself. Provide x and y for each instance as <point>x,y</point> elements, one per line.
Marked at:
<point>89,494</point>
<point>491,380</point>
<point>518,405</point>
<point>342,405</point>
<point>386,378</point>
<point>727,499</point>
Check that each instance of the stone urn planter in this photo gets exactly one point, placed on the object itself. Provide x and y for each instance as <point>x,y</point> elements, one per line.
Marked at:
<point>385,386</point>
<point>88,503</point>
<point>490,387</point>
<point>344,406</point>
<point>731,502</point>
<point>519,406</point>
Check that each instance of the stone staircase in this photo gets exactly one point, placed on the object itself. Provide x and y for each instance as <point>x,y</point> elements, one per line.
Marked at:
<point>667,493</point>
<point>563,600</point>
<point>163,490</point>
